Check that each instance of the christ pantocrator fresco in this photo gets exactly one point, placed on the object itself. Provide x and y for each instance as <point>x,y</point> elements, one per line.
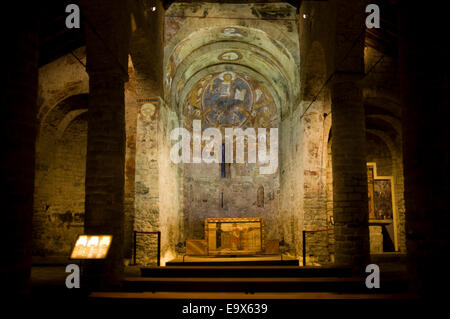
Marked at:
<point>230,99</point>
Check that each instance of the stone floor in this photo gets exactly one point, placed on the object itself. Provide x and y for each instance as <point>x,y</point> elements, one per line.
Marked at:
<point>49,293</point>
<point>53,273</point>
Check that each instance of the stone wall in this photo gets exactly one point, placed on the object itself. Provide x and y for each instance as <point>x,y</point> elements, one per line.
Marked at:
<point>170,187</point>
<point>316,128</point>
<point>304,177</point>
<point>291,183</point>
<point>147,180</point>
<point>157,188</point>
<point>59,196</point>
<point>208,195</point>
<point>330,215</point>
<point>314,119</point>
<point>130,159</point>
<point>61,79</point>
<point>60,156</point>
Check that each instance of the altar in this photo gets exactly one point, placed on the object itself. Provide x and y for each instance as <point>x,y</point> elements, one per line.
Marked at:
<point>232,236</point>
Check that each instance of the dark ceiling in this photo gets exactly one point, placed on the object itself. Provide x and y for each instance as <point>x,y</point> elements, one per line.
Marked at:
<point>385,38</point>
<point>294,3</point>
<point>57,40</point>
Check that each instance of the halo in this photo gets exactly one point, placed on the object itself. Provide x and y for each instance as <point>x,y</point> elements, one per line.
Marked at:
<point>233,75</point>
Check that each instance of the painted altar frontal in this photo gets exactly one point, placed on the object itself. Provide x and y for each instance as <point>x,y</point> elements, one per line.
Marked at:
<point>232,236</point>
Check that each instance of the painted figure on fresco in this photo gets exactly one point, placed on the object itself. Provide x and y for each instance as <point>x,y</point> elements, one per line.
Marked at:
<point>219,236</point>
<point>236,237</point>
<point>227,99</point>
<point>230,99</point>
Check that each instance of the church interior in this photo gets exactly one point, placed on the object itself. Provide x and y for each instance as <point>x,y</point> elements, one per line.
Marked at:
<point>119,128</point>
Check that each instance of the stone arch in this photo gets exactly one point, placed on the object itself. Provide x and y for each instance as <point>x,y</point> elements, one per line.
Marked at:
<point>397,173</point>
<point>384,122</point>
<point>383,99</point>
<point>190,51</point>
<point>392,121</point>
<point>61,79</point>
<point>58,118</point>
<point>254,31</point>
<point>377,123</point>
<point>262,63</point>
<point>384,114</point>
<point>387,141</point>
<point>59,177</point>
<point>378,151</point>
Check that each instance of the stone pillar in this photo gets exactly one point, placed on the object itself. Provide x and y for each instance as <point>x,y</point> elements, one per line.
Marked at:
<point>131,109</point>
<point>147,47</point>
<point>349,173</point>
<point>350,208</point>
<point>107,28</point>
<point>105,171</point>
<point>19,127</point>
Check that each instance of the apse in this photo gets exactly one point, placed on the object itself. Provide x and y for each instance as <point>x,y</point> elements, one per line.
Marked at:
<point>222,100</point>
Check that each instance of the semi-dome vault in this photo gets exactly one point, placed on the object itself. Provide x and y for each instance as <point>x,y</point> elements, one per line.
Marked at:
<point>265,51</point>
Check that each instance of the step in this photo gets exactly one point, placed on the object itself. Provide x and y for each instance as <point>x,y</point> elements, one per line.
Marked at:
<point>277,304</point>
<point>233,262</point>
<point>389,258</point>
<point>211,295</point>
<point>244,271</point>
<point>239,284</point>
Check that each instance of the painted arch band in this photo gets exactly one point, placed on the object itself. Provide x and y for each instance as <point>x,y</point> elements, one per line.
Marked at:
<point>212,150</point>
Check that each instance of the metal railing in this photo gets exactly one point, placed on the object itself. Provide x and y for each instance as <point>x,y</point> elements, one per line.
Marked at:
<point>304,240</point>
<point>158,257</point>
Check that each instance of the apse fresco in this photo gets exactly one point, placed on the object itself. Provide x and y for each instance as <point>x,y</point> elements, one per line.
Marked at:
<point>230,99</point>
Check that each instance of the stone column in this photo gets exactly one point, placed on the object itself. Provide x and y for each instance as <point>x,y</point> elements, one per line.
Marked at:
<point>348,131</point>
<point>19,127</point>
<point>105,172</point>
<point>107,28</point>
<point>147,47</point>
<point>349,173</point>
